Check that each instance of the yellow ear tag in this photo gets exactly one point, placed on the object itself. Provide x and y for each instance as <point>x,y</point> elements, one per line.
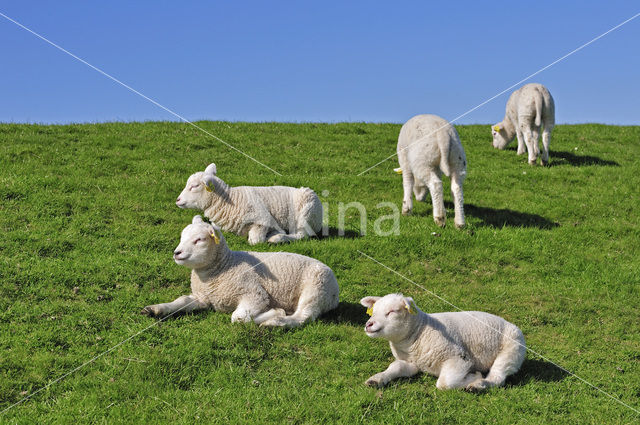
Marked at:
<point>410,309</point>
<point>370,311</point>
<point>209,189</point>
<point>215,237</point>
<point>496,127</point>
<point>398,170</point>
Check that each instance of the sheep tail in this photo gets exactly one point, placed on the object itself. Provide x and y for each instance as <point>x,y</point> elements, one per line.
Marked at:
<point>444,157</point>
<point>538,101</point>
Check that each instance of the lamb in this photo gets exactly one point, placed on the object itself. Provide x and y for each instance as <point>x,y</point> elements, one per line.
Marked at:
<point>273,213</point>
<point>528,108</point>
<point>429,146</point>
<point>268,288</point>
<point>457,347</point>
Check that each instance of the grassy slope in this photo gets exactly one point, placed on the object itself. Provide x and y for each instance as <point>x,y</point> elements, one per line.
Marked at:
<point>554,250</point>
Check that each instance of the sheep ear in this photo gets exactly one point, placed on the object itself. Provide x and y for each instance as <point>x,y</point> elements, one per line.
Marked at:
<point>214,235</point>
<point>211,169</point>
<point>369,301</point>
<point>208,181</point>
<point>410,305</point>
<point>196,219</point>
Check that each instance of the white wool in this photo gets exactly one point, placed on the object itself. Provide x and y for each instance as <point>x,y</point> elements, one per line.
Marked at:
<point>469,349</point>
<point>270,213</point>
<point>529,109</point>
<point>429,146</point>
<point>269,288</point>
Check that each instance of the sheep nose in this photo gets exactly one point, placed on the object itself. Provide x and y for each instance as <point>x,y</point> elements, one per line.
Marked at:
<point>178,200</point>
<point>177,252</point>
<point>369,324</point>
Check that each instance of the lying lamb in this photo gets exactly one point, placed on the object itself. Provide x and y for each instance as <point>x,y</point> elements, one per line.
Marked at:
<point>270,288</point>
<point>458,347</point>
<point>272,213</point>
<point>429,146</point>
<point>528,108</point>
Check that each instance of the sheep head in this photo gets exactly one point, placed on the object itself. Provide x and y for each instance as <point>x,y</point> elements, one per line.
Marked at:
<point>392,316</point>
<point>200,189</point>
<point>200,244</point>
<point>500,138</point>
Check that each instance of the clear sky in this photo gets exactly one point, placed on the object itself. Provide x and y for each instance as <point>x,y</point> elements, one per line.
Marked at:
<point>327,60</point>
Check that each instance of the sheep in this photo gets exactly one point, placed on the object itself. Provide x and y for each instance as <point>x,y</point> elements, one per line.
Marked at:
<point>528,108</point>
<point>268,288</point>
<point>457,347</point>
<point>429,146</point>
<point>273,213</point>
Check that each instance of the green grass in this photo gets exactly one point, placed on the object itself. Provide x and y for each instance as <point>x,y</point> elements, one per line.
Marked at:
<point>88,225</point>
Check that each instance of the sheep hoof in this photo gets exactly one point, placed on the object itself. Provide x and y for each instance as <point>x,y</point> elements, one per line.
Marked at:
<point>477,386</point>
<point>274,322</point>
<point>440,221</point>
<point>149,311</point>
<point>532,163</point>
<point>460,225</point>
<point>372,382</point>
<point>406,212</point>
<point>544,163</point>
<point>278,238</point>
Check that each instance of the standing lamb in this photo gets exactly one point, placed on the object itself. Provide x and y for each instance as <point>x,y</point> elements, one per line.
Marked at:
<point>271,213</point>
<point>528,108</point>
<point>458,347</point>
<point>270,288</point>
<point>429,146</point>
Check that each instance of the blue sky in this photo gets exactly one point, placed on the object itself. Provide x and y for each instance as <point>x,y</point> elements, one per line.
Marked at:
<point>327,61</point>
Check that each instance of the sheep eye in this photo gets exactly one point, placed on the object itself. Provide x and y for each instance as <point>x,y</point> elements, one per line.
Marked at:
<point>196,241</point>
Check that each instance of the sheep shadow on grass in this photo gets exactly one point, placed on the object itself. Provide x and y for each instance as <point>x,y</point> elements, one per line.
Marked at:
<point>562,158</point>
<point>503,217</point>
<point>536,370</point>
<point>335,232</point>
<point>346,313</point>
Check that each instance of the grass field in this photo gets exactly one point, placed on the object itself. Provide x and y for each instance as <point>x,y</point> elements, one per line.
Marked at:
<point>89,224</point>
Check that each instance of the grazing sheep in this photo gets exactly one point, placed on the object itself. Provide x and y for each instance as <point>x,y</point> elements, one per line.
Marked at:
<point>270,288</point>
<point>271,213</point>
<point>429,146</point>
<point>458,347</point>
<point>528,108</point>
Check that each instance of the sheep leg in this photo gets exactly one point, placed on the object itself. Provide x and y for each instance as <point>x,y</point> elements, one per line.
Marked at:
<point>257,234</point>
<point>526,126</point>
<point>279,237</point>
<point>535,137</point>
<point>397,369</point>
<point>247,309</point>
<point>458,199</point>
<point>183,304</point>
<point>307,220</point>
<point>456,373</point>
<point>306,311</point>
<point>546,139</point>
<point>437,199</point>
<point>268,315</point>
<point>316,298</point>
<point>521,146</point>
<point>407,186</point>
<point>507,362</point>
